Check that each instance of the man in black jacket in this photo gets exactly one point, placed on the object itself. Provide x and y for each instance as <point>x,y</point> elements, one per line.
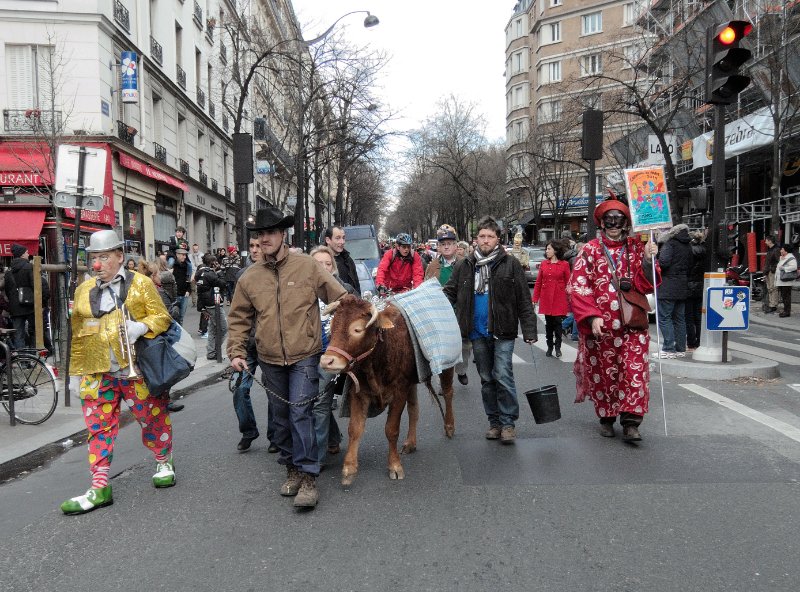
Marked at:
<point>675,259</point>
<point>335,239</point>
<point>207,278</point>
<point>183,287</point>
<point>20,275</point>
<point>492,300</point>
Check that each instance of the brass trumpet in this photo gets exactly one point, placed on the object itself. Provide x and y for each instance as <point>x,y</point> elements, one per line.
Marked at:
<point>128,353</point>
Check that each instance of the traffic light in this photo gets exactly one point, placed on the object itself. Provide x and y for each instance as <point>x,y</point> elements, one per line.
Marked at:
<point>732,230</point>
<point>724,57</point>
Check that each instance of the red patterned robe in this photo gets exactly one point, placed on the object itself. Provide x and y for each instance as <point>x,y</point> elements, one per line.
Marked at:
<point>614,370</point>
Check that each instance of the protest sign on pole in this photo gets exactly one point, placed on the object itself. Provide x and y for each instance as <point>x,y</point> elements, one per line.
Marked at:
<point>648,198</point>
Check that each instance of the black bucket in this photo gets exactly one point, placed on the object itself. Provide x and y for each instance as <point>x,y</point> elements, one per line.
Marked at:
<point>544,403</point>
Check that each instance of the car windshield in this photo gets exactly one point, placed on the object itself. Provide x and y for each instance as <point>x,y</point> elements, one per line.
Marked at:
<point>536,254</point>
<point>363,248</point>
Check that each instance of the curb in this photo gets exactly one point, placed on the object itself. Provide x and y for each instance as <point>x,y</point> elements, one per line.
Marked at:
<point>742,366</point>
<point>42,456</point>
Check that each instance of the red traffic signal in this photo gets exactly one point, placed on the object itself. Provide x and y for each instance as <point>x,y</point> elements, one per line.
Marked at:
<point>724,57</point>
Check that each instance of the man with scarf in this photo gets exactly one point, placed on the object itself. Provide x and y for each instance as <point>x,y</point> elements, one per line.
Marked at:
<point>101,367</point>
<point>492,299</point>
<point>400,269</point>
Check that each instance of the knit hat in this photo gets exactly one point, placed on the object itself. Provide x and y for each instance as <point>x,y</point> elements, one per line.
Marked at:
<point>18,250</point>
<point>231,249</point>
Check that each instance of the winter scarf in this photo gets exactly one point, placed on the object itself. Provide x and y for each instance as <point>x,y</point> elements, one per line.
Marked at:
<point>482,268</point>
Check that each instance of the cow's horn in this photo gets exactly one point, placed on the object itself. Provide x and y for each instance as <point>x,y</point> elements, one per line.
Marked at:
<point>330,308</point>
<point>374,316</point>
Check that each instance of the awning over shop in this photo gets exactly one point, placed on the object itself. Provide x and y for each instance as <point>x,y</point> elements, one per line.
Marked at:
<point>24,163</point>
<point>21,226</point>
<point>143,168</point>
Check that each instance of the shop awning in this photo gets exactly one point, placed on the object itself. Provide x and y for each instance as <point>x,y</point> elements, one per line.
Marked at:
<point>23,226</point>
<point>24,163</point>
<point>143,168</point>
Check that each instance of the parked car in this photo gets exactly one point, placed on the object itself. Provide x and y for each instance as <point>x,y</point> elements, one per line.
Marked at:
<point>536,256</point>
<point>362,244</point>
<point>365,279</point>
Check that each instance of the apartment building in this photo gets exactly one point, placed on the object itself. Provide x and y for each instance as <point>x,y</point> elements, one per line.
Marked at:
<point>556,59</point>
<point>169,153</point>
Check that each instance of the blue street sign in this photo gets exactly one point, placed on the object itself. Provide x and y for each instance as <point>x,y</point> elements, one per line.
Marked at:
<point>728,308</point>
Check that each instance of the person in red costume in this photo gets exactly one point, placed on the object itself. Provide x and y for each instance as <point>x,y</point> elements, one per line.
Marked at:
<point>612,367</point>
<point>400,269</point>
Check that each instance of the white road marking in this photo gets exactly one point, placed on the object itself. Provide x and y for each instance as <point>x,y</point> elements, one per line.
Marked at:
<point>769,341</point>
<point>765,353</point>
<point>779,426</point>
<point>795,387</point>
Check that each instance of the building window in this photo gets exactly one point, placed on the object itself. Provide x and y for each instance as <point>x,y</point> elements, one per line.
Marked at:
<point>591,64</point>
<point>551,33</point>
<point>631,55</point>
<point>628,14</point>
<point>548,111</point>
<point>517,63</point>
<point>518,29</point>
<point>592,23</point>
<point>519,97</point>
<point>519,131</point>
<point>549,73</point>
<point>598,186</point>
<point>556,2</point>
<point>29,69</point>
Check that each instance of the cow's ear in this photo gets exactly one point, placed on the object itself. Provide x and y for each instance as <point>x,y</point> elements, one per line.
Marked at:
<point>384,322</point>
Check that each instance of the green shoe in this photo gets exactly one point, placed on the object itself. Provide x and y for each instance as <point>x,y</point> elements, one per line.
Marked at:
<point>91,500</point>
<point>165,474</point>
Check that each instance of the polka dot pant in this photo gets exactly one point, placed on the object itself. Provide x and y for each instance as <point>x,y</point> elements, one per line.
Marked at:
<point>100,398</point>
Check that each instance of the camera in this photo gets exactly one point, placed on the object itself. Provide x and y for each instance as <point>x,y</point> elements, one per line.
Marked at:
<point>625,284</point>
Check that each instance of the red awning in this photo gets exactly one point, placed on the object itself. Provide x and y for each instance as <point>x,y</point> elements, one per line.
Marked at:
<point>25,163</point>
<point>129,162</point>
<point>21,226</point>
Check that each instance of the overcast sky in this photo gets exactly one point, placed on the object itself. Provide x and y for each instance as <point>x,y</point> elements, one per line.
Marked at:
<point>437,47</point>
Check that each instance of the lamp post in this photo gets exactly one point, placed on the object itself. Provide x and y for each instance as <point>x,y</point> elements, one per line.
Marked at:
<point>300,239</point>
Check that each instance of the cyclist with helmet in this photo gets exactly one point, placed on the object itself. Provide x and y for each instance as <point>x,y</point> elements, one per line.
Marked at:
<point>400,269</point>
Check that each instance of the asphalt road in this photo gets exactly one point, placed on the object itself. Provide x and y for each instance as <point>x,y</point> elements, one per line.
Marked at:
<point>712,506</point>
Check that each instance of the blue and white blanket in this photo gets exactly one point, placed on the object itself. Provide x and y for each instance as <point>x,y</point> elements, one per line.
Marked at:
<point>433,327</point>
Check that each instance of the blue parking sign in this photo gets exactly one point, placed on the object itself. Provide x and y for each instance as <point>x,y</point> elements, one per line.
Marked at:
<point>728,308</point>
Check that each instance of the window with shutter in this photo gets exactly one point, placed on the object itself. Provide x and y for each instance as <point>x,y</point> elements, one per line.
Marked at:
<point>19,66</point>
<point>45,93</point>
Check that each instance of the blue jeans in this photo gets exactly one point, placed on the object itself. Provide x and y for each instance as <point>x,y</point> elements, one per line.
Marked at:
<point>294,424</point>
<point>241,400</point>
<point>22,326</point>
<point>493,358</point>
<point>182,301</point>
<point>672,321</point>
<point>325,426</point>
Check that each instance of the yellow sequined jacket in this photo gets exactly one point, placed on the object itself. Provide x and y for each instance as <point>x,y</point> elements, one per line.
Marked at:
<point>92,337</point>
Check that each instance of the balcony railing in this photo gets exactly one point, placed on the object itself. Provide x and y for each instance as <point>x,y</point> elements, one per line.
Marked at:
<point>184,167</point>
<point>201,98</point>
<point>160,152</point>
<point>214,185</point>
<point>122,16</point>
<point>212,110</point>
<point>29,121</point>
<point>156,51</point>
<point>227,192</point>
<point>181,76</point>
<point>125,132</point>
<point>204,179</point>
<point>225,122</point>
<point>198,16</point>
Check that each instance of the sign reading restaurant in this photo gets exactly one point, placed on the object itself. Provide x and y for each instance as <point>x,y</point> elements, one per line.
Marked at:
<point>21,178</point>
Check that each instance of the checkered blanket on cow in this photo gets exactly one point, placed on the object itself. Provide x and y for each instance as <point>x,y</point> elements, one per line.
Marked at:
<point>433,325</point>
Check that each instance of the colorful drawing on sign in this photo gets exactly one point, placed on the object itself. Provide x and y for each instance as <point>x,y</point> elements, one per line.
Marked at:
<point>648,198</point>
<point>727,302</point>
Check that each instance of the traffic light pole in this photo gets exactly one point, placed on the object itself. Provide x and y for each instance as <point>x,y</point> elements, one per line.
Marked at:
<point>718,253</point>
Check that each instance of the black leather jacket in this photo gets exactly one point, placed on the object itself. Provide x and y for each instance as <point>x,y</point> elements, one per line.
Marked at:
<point>509,298</point>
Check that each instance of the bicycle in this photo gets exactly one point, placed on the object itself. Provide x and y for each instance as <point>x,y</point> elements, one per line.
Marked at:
<point>33,383</point>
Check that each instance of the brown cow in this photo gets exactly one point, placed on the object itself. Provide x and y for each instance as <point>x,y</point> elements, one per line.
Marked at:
<point>375,349</point>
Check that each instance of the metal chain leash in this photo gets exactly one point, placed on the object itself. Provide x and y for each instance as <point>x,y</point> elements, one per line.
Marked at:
<point>270,392</point>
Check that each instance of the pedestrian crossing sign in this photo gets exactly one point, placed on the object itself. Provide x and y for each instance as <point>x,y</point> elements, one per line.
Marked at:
<point>728,308</point>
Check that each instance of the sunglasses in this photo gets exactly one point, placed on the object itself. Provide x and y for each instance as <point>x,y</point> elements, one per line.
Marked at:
<point>614,221</point>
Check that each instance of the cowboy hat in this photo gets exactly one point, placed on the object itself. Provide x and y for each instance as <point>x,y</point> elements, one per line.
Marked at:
<point>270,218</point>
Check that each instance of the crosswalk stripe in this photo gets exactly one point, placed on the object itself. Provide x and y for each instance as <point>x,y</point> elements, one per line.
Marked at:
<point>765,353</point>
<point>779,426</point>
<point>769,341</point>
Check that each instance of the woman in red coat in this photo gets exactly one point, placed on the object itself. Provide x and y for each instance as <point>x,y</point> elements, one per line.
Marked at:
<point>550,292</point>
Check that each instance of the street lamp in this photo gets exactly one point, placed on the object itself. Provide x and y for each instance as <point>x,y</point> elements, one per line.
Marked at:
<point>300,162</point>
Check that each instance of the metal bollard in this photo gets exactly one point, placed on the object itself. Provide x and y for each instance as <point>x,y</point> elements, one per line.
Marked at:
<point>218,325</point>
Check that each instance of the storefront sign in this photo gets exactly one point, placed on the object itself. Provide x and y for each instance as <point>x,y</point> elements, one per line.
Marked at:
<point>205,202</point>
<point>655,154</point>
<point>20,178</point>
<point>130,77</point>
<point>145,169</point>
<point>743,135</point>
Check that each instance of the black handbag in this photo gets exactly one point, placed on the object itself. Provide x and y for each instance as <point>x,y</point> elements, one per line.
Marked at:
<point>162,367</point>
<point>25,295</point>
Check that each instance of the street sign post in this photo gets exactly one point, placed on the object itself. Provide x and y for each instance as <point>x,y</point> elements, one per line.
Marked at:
<point>727,309</point>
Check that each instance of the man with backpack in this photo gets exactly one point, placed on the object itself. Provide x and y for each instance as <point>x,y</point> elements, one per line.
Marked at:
<point>207,279</point>
<point>19,291</point>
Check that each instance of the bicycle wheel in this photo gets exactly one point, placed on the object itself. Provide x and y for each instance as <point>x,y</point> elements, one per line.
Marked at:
<point>33,387</point>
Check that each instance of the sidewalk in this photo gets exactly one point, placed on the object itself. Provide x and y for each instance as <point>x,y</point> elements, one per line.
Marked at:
<point>38,442</point>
